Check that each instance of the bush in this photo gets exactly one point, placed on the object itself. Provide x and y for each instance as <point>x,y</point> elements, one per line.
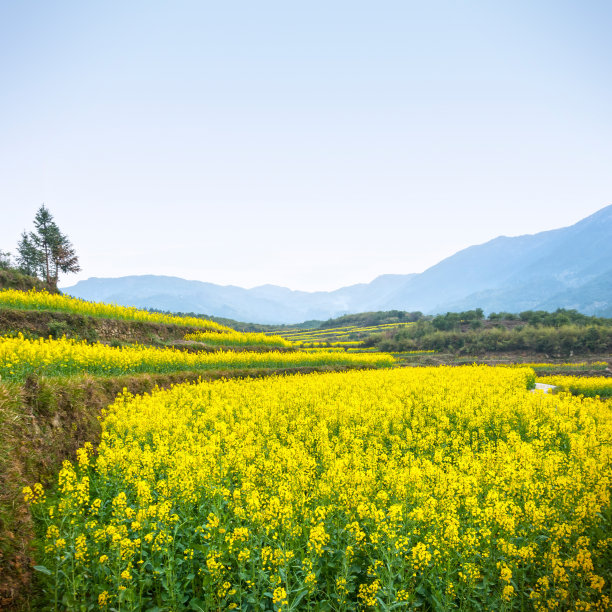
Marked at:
<point>57,329</point>
<point>564,340</point>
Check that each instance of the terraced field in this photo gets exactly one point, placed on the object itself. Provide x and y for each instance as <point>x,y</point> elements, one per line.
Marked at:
<point>379,488</point>
<point>348,336</point>
<point>42,300</point>
<point>433,488</point>
<point>51,389</point>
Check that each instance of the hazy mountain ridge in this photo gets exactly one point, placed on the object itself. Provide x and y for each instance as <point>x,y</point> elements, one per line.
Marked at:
<point>563,268</point>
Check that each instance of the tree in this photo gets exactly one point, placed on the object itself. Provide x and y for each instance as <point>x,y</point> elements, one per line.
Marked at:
<point>46,252</point>
<point>28,257</point>
<point>5,260</point>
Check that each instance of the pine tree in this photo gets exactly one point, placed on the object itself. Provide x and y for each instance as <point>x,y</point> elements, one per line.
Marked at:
<point>28,257</point>
<point>46,252</point>
<point>5,260</point>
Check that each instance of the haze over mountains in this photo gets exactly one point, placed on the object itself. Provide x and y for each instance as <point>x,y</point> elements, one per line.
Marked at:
<point>569,267</point>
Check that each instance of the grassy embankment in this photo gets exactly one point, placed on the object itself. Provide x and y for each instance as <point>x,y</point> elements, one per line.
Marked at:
<point>14,279</point>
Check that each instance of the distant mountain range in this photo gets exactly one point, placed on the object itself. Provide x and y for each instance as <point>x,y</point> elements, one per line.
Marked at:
<point>563,268</point>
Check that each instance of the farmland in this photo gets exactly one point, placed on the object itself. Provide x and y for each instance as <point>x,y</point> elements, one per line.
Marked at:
<point>344,336</point>
<point>62,360</point>
<point>239,339</point>
<point>21,357</point>
<point>43,300</point>
<point>594,386</point>
<point>213,469</point>
<point>455,488</point>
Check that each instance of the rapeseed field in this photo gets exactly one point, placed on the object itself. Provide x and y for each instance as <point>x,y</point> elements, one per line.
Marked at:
<point>43,300</point>
<point>415,488</point>
<point>590,386</point>
<point>235,338</point>
<point>21,357</point>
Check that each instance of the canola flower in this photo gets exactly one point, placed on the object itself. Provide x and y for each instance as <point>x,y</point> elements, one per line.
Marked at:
<point>302,332</point>
<point>417,352</point>
<point>309,345</point>
<point>437,488</point>
<point>43,300</point>
<point>235,338</point>
<point>21,357</point>
<point>343,344</point>
<point>322,335</point>
<point>595,365</point>
<point>324,349</point>
<point>590,386</point>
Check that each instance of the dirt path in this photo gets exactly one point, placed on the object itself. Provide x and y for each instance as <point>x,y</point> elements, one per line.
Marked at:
<point>543,387</point>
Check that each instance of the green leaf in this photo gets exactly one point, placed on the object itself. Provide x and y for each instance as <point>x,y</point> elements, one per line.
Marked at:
<point>43,570</point>
<point>297,600</point>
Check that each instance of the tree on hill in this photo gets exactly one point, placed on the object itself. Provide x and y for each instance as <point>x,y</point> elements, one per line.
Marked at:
<point>5,260</point>
<point>46,251</point>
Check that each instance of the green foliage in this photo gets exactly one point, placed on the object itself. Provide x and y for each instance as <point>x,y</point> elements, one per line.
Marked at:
<point>503,316</point>
<point>46,251</point>
<point>59,328</point>
<point>452,320</point>
<point>564,340</point>
<point>12,278</point>
<point>5,260</point>
<point>560,317</point>
<point>29,258</point>
<point>365,319</point>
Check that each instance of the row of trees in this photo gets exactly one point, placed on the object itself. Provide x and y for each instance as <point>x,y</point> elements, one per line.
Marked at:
<point>453,321</point>
<point>45,251</point>
<point>367,319</point>
<point>562,340</point>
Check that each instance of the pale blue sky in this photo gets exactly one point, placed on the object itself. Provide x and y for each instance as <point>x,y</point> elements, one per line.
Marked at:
<point>308,144</point>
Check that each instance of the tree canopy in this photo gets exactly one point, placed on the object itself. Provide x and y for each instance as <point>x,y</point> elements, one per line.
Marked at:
<point>46,251</point>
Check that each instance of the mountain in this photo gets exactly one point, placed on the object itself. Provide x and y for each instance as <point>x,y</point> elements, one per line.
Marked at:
<point>563,268</point>
<point>265,304</point>
<point>521,273</point>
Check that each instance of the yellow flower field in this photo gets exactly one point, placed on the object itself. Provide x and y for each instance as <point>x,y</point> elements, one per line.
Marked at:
<point>21,357</point>
<point>596,365</point>
<point>43,300</point>
<point>330,333</point>
<point>429,488</point>
<point>235,338</point>
<point>578,385</point>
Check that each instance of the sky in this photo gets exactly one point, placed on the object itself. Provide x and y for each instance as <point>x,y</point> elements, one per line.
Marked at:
<point>313,144</point>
